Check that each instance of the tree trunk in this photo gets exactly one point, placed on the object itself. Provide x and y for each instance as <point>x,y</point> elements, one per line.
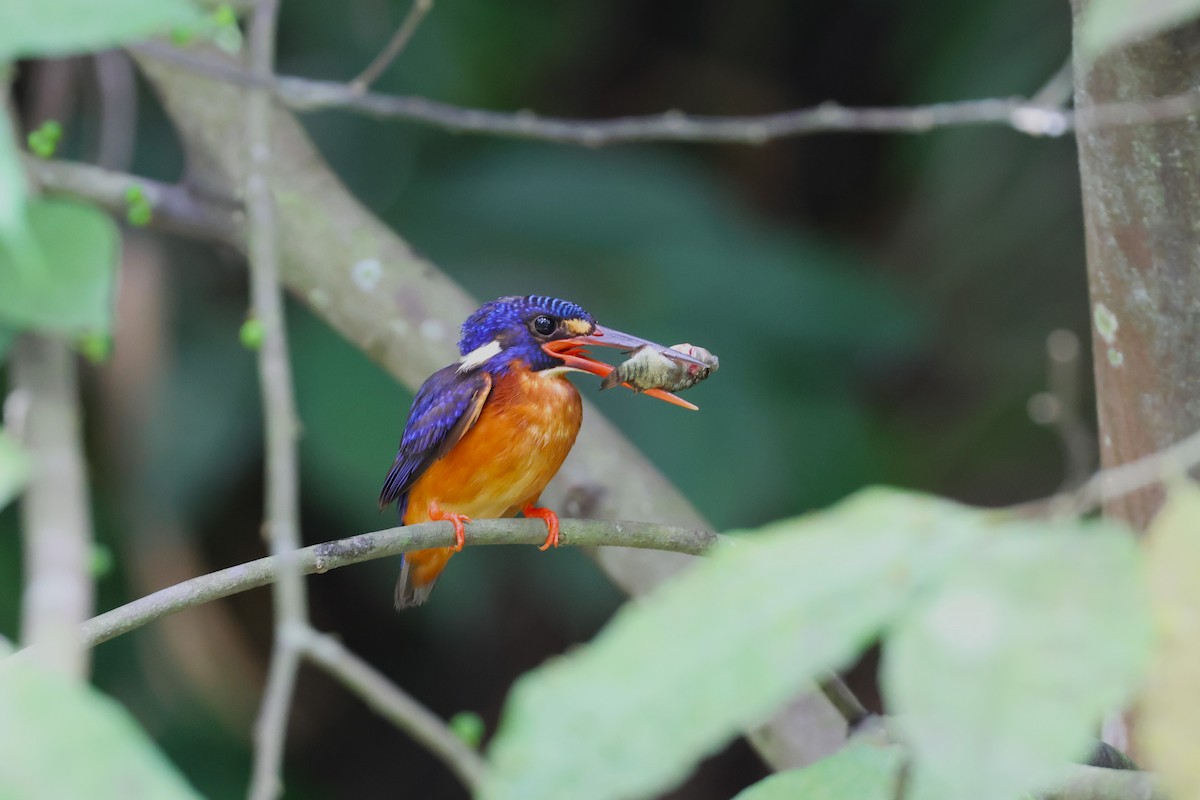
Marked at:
<point>1141,203</point>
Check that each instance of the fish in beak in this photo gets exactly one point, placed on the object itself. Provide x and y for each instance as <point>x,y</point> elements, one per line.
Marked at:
<point>573,354</point>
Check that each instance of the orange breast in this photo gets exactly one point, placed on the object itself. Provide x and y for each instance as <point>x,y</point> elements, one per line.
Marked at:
<point>524,432</point>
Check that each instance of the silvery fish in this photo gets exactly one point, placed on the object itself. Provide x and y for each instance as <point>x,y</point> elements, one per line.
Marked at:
<point>650,368</point>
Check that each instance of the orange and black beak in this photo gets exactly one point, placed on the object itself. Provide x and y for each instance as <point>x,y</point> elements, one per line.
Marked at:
<point>572,353</point>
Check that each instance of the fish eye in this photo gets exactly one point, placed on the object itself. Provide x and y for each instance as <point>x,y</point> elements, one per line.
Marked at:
<point>544,325</point>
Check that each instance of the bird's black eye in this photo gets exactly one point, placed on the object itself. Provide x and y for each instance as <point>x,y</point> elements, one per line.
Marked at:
<point>543,325</point>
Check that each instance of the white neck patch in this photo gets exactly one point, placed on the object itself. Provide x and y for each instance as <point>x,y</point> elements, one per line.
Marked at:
<point>479,356</point>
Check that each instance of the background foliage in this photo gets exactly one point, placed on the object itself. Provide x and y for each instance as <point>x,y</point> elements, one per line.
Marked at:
<point>879,303</point>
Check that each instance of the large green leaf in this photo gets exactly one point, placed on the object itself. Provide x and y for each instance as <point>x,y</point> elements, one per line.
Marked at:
<point>60,739</point>
<point>860,772</point>
<point>14,469</point>
<point>72,288</point>
<point>674,677</point>
<point>1109,23</point>
<point>1001,676</point>
<point>59,27</point>
<point>1171,707</point>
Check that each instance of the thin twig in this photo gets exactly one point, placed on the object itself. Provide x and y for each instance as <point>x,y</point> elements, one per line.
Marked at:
<point>393,703</point>
<point>1025,116</point>
<point>394,47</point>
<point>1113,482</point>
<point>321,558</point>
<point>1061,407</point>
<point>279,411</point>
<point>840,696</point>
<point>1058,90</point>
<point>55,509</point>
<point>175,207</point>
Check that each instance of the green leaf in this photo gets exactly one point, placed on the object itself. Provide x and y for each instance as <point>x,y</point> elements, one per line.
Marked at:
<point>1171,708</point>
<point>252,334</point>
<point>1000,677</point>
<point>861,772</point>
<point>43,142</point>
<point>72,289</point>
<point>677,675</point>
<point>63,739</point>
<point>95,347</point>
<point>14,469</point>
<point>468,726</point>
<point>101,561</point>
<point>138,211</point>
<point>1109,23</point>
<point>61,27</point>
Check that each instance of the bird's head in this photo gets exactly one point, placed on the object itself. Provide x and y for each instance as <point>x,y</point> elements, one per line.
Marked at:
<point>546,334</point>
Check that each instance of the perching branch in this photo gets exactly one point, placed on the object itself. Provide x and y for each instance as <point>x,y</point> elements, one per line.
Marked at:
<point>321,558</point>
<point>280,422</point>
<point>392,702</point>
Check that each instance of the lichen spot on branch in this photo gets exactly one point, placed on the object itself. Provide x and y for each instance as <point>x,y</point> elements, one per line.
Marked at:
<point>367,273</point>
<point>1106,323</point>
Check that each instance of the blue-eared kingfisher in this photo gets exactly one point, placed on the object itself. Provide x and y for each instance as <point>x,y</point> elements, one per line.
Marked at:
<point>486,434</point>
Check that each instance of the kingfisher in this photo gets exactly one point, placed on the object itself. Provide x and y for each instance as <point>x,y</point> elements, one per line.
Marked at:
<point>486,434</point>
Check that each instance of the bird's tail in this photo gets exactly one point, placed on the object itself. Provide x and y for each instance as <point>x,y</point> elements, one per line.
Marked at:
<point>419,571</point>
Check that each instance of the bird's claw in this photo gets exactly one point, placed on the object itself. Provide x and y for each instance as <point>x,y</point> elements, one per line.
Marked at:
<point>551,520</point>
<point>457,520</point>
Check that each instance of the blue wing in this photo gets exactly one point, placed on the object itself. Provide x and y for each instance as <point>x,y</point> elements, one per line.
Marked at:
<point>445,408</point>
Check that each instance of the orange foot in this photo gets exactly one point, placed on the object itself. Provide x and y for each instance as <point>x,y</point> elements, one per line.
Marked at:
<point>457,520</point>
<point>551,520</point>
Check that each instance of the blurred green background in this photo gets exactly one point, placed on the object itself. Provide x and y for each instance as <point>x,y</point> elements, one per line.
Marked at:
<point>879,303</point>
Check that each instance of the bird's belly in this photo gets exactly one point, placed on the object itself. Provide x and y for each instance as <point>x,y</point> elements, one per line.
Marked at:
<point>522,437</point>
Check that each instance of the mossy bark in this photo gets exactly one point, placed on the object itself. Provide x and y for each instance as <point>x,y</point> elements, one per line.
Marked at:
<point>1141,203</point>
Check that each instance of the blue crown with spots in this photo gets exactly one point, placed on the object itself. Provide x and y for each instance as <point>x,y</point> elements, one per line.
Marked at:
<point>507,318</point>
